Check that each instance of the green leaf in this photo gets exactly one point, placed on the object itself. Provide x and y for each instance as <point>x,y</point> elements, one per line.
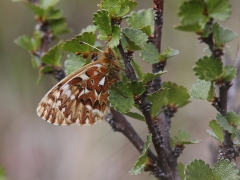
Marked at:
<point>73,63</point>
<point>131,4</point>
<point>222,35</point>
<point>89,28</point>
<point>189,28</point>
<point>216,130</point>
<point>117,8</point>
<point>37,39</point>
<point>206,31</point>
<point>181,169</point>
<point>112,6</point>
<point>115,37</point>
<point>219,9</point>
<point>136,87</point>
<point>192,12</point>
<point>121,97</point>
<point>147,30</point>
<point>36,62</point>
<point>223,122</point>
<point>147,77</point>
<point>137,69</point>
<point>233,118</point>
<point>150,53</point>
<point>73,45</point>
<point>168,53</point>
<point>202,90</point>
<point>46,69</point>
<point>135,116</point>
<point>48,3</point>
<point>229,72</point>
<point>198,170</point>
<point>183,135</point>
<point>177,95</point>
<point>36,9</point>
<point>129,44</point>
<point>183,138</point>
<point>157,99</point>
<point>58,26</point>
<point>102,21</point>
<point>53,56</point>
<point>143,159</point>
<point>207,51</point>
<point>25,42</point>
<point>225,170</point>
<point>126,7</point>
<point>141,20</point>
<point>208,68</point>
<point>135,35</point>
<point>237,133</point>
<point>55,14</point>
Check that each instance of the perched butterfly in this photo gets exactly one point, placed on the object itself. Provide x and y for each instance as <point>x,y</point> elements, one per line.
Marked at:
<point>81,97</point>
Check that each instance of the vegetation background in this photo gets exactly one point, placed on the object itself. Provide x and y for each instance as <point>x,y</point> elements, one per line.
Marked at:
<point>33,149</point>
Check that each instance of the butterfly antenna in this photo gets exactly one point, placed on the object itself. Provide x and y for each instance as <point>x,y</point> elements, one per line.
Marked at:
<point>82,42</point>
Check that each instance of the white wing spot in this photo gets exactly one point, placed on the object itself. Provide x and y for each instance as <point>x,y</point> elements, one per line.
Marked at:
<point>72,97</point>
<point>83,92</point>
<point>63,110</point>
<point>88,107</point>
<point>102,81</point>
<point>57,95</point>
<point>96,111</point>
<point>69,117</point>
<point>58,103</point>
<point>87,121</point>
<point>77,120</point>
<point>84,77</point>
<point>65,87</point>
<point>68,93</point>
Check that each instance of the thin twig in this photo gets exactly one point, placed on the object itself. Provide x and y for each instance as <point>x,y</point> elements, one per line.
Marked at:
<point>158,23</point>
<point>119,123</point>
<point>162,121</point>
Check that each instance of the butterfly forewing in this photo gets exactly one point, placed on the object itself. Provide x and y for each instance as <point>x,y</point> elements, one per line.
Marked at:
<point>82,96</point>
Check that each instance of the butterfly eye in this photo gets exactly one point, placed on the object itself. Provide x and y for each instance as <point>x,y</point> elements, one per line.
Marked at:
<point>109,56</point>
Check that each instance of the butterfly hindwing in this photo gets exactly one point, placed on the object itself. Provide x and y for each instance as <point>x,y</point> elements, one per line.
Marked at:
<point>78,99</point>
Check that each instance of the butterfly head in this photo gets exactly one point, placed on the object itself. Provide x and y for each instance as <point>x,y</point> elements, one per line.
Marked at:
<point>110,54</point>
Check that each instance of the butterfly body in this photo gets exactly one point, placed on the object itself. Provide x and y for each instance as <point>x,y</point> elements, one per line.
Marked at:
<point>81,97</point>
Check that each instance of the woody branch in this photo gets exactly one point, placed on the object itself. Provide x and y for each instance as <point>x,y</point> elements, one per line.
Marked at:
<point>163,120</point>
<point>227,150</point>
<point>145,108</point>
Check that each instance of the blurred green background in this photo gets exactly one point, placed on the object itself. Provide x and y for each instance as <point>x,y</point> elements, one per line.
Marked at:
<point>31,149</point>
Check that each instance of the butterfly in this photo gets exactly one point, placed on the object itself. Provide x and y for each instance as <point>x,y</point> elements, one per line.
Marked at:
<point>81,97</point>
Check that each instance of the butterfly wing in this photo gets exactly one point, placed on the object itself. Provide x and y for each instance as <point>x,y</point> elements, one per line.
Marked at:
<point>79,98</point>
